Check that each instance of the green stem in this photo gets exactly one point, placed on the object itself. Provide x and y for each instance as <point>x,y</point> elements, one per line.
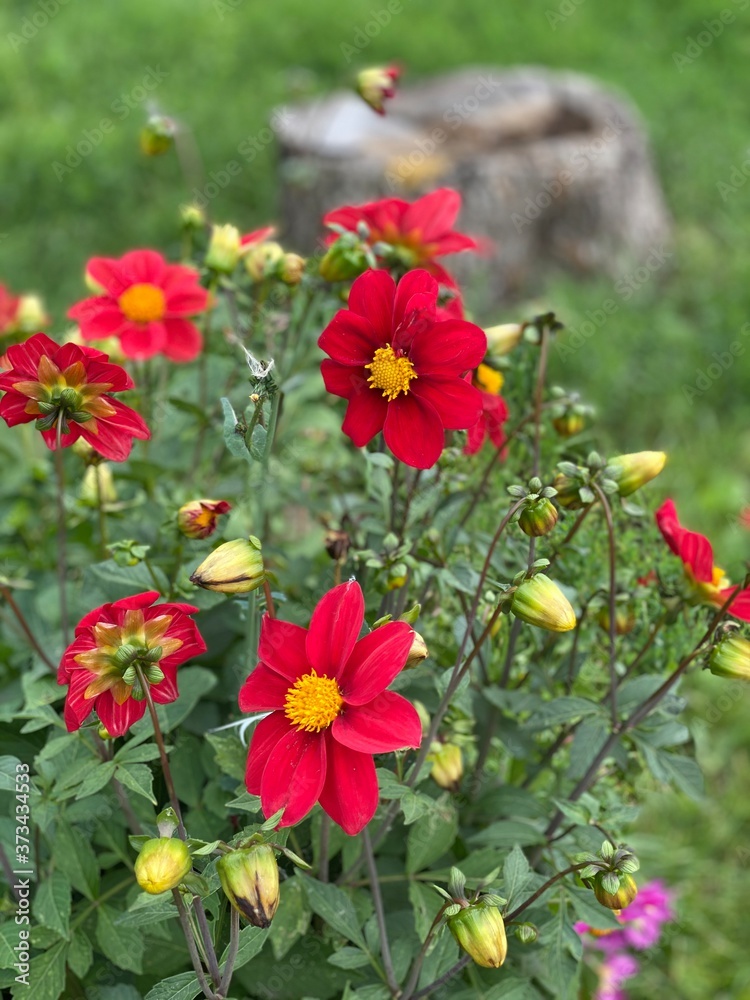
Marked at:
<point>62,547</point>
<point>612,599</point>
<point>377,898</point>
<point>234,943</point>
<point>101,511</point>
<point>98,902</point>
<point>5,591</point>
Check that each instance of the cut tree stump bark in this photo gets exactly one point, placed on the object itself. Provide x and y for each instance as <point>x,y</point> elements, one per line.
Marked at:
<point>555,170</point>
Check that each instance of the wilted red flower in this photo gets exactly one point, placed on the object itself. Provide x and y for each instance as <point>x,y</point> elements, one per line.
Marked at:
<point>418,231</point>
<point>400,368</point>
<point>330,711</point>
<point>708,583</point>
<point>72,385</point>
<point>377,84</point>
<point>489,381</point>
<point>8,310</point>
<point>200,518</point>
<point>114,644</point>
<point>146,302</point>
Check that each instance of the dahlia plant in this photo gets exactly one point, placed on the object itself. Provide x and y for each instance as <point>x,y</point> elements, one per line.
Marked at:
<point>375,720</point>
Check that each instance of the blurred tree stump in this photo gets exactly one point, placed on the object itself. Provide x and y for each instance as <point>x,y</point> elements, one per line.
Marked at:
<point>554,169</point>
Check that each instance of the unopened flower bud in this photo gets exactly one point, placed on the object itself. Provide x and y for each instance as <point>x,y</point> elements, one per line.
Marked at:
<point>30,314</point>
<point>503,338</point>
<point>200,518</point>
<point>103,733</point>
<point>157,135</point>
<point>624,619</point>
<point>397,575</point>
<point>337,544</point>
<point>292,268</point>
<point>235,567</point>
<point>619,899</point>
<point>192,216</point>
<point>567,492</point>
<point>731,658</point>
<point>98,486</point>
<point>263,259</point>
<point>539,601</point>
<point>376,85</point>
<point>526,933</point>
<point>250,880</point>
<point>223,248</point>
<point>569,423</point>
<point>417,653</point>
<point>447,765</point>
<point>479,929</point>
<point>630,472</point>
<point>538,517</point>
<point>162,864</point>
<point>342,261</point>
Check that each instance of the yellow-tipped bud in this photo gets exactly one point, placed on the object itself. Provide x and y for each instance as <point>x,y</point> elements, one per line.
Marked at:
<point>200,518</point>
<point>263,260</point>
<point>162,864</point>
<point>618,900</point>
<point>479,929</point>
<point>192,216</point>
<point>98,484</point>
<point>731,658</point>
<point>250,880</point>
<point>223,248</point>
<point>235,567</point>
<point>630,472</point>
<point>30,315</point>
<point>568,424</point>
<point>624,619</point>
<point>539,601</point>
<point>417,653</point>
<point>567,492</point>
<point>538,517</point>
<point>503,338</point>
<point>447,765</point>
<point>292,268</point>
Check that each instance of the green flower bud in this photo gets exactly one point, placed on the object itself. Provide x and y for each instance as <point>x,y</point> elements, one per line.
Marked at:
<point>223,248</point>
<point>250,880</point>
<point>479,929</point>
<point>567,492</point>
<point>526,933</point>
<point>538,517</point>
<point>447,765</point>
<point>569,423</point>
<point>417,653</point>
<point>621,897</point>
<point>235,567</point>
<point>539,601</point>
<point>731,658</point>
<point>503,338</point>
<point>162,864</point>
<point>343,261</point>
<point>624,619</point>
<point>630,472</point>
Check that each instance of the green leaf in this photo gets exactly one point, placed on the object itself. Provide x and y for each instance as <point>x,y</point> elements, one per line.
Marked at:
<point>139,754</point>
<point>673,768</point>
<point>335,907</point>
<point>122,945</point>
<point>431,836</point>
<point>80,954</point>
<point>96,779</point>
<point>292,918</point>
<point>515,876</point>
<point>147,909</point>
<point>234,437</point>
<point>508,833</point>
<point>349,958</point>
<point>52,903</point>
<point>252,940</point>
<point>8,773</point>
<point>231,754</point>
<point>590,911</point>
<point>182,987</point>
<point>8,940</point>
<point>46,976</point>
<point>138,778</point>
<point>425,903</point>
<point>560,710</point>
<point>195,683</point>
<point>75,857</point>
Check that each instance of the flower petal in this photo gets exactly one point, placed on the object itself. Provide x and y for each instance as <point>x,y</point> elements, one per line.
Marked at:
<point>448,348</point>
<point>693,548</point>
<point>263,691</point>
<point>365,416</point>
<point>376,659</point>
<point>350,793</point>
<point>143,267</point>
<point>350,339</point>
<point>142,340</point>
<point>282,647</point>
<point>334,628</point>
<point>184,340</point>
<point>344,380</point>
<point>388,722</point>
<point>117,719</point>
<point>372,295</point>
<point>434,214</point>
<point>458,403</point>
<point>265,737</point>
<point>414,432</point>
<point>294,776</point>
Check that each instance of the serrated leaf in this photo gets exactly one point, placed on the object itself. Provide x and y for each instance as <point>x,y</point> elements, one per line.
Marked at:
<point>96,779</point>
<point>80,954</point>
<point>231,754</point>
<point>122,945</point>
<point>516,873</point>
<point>292,918</point>
<point>431,836</point>
<point>182,987</point>
<point>138,778</point>
<point>46,977</point>
<point>140,754</point>
<point>349,958</point>
<point>425,905</point>
<point>75,857</point>
<point>52,903</point>
<point>335,907</point>
<point>252,940</point>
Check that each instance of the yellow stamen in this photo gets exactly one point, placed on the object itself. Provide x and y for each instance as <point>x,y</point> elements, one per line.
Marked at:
<point>143,303</point>
<point>390,373</point>
<point>313,702</point>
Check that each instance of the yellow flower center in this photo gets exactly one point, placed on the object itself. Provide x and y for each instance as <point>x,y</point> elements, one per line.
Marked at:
<point>390,373</point>
<point>313,702</point>
<point>143,303</point>
<point>489,379</point>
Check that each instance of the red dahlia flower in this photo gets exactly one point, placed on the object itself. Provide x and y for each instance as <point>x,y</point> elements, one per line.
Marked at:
<point>72,386</point>
<point>117,645</point>
<point>400,368</point>
<point>418,231</point>
<point>330,711</point>
<point>489,381</point>
<point>707,582</point>
<point>145,302</point>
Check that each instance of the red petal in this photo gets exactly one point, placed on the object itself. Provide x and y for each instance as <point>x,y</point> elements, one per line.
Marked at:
<point>108,439</point>
<point>166,691</point>
<point>448,348</point>
<point>434,214</point>
<point>133,603</point>
<point>350,794</point>
<point>142,340</point>
<point>388,722</point>
<point>376,659</point>
<point>77,708</point>
<point>282,648</point>
<point>13,409</point>
<point>98,318</point>
<point>117,719</point>
<point>267,734</point>
<point>344,380</point>
<point>294,775</point>
<point>693,548</point>
<point>350,339</point>
<point>105,271</point>
<point>263,691</point>
<point>143,267</point>
<point>417,292</point>
<point>184,340</point>
<point>334,628</point>
<point>458,403</point>
<point>24,358</point>
<point>365,416</point>
<point>372,295</point>
<point>454,243</point>
<point>740,606</point>
<point>413,431</point>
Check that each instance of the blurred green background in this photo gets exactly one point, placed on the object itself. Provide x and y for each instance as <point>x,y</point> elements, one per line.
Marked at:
<point>220,66</point>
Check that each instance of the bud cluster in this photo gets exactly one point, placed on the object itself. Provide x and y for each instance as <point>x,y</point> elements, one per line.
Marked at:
<point>610,874</point>
<point>477,923</point>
